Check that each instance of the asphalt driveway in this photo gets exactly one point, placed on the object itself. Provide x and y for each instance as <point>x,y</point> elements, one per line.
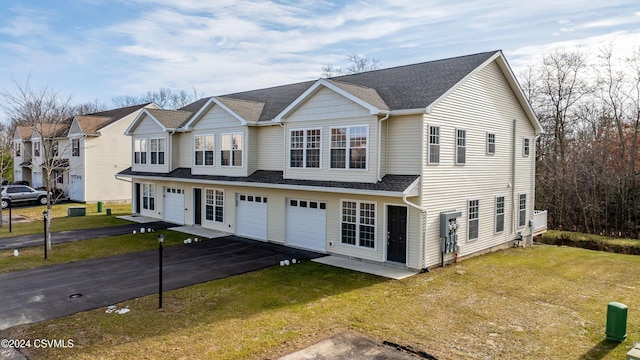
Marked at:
<point>75,235</point>
<point>45,293</point>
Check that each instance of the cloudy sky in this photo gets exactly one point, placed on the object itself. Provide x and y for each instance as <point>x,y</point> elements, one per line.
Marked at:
<point>98,49</point>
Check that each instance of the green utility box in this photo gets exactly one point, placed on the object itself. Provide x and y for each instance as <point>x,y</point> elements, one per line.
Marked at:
<point>617,321</point>
<point>76,211</point>
<point>99,206</point>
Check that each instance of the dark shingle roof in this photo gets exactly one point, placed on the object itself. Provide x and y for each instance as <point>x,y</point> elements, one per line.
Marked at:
<point>404,87</point>
<point>91,123</point>
<point>390,183</point>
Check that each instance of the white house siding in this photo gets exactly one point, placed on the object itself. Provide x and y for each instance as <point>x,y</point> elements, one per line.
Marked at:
<point>217,169</point>
<point>485,103</point>
<point>100,183</point>
<point>148,128</point>
<point>277,201</point>
<point>77,165</point>
<point>270,147</point>
<point>403,152</point>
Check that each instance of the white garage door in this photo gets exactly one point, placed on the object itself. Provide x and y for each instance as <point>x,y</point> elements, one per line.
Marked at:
<point>306,224</point>
<point>251,216</point>
<point>174,205</point>
<point>75,188</point>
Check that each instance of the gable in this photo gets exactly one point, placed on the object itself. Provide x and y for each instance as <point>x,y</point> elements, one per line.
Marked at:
<point>146,125</point>
<point>216,117</point>
<point>327,104</point>
<point>75,128</point>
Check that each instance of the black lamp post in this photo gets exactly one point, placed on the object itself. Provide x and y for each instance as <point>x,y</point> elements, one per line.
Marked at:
<point>44,217</point>
<point>160,248</point>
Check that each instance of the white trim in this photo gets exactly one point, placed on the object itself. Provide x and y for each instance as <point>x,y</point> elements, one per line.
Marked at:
<point>477,219</point>
<point>357,230</point>
<point>193,152</point>
<point>139,118</point>
<point>244,151</point>
<point>439,136</point>
<point>304,149</point>
<point>207,106</point>
<point>526,145</point>
<point>495,213</point>
<point>313,89</point>
<point>158,151</point>
<point>348,144</point>
<point>224,200</point>
<point>488,143</point>
<point>518,226</point>
<point>464,146</point>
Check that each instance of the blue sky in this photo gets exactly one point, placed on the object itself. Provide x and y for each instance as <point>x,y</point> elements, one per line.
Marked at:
<point>97,49</point>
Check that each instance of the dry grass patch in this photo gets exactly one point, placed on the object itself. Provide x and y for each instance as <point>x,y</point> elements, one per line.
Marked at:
<point>537,303</point>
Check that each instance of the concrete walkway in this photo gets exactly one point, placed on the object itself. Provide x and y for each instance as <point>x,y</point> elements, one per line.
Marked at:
<point>383,270</point>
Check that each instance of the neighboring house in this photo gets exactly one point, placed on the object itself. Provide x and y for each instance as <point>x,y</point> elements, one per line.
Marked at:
<point>98,151</point>
<point>85,154</point>
<point>370,165</point>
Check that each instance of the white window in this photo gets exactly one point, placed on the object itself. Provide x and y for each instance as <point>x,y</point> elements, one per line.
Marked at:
<point>148,196</point>
<point>54,149</point>
<point>359,224</point>
<point>525,147</point>
<point>140,151</point>
<point>461,146</point>
<point>231,154</point>
<point>304,148</point>
<point>17,149</point>
<point>522,210</point>
<point>473,219</point>
<point>75,147</point>
<point>157,151</point>
<point>434,145</point>
<point>491,143</point>
<point>214,205</point>
<point>203,145</point>
<point>58,176</point>
<point>36,148</point>
<point>499,220</point>
<point>349,147</point>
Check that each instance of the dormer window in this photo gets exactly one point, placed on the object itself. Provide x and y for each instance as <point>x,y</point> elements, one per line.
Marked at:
<point>140,151</point>
<point>231,153</point>
<point>203,145</point>
<point>36,148</point>
<point>17,149</point>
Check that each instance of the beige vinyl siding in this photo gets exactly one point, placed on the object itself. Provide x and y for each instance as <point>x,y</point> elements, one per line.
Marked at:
<point>403,154</point>
<point>325,172</point>
<point>101,166</point>
<point>277,201</point>
<point>183,150</point>
<point>216,117</point>
<point>217,168</point>
<point>270,147</point>
<point>484,103</point>
<point>327,104</point>
<point>251,149</point>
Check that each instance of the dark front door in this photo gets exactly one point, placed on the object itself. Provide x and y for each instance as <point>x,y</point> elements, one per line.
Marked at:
<point>137,196</point>
<point>197,206</point>
<point>397,233</point>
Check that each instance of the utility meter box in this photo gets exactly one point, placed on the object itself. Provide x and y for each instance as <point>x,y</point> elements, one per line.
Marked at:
<point>449,231</point>
<point>617,321</point>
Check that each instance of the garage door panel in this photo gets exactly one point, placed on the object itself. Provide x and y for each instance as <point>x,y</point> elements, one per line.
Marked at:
<point>306,223</point>
<point>251,216</point>
<point>174,205</point>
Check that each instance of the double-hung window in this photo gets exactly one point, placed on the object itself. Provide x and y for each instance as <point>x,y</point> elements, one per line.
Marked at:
<point>17,149</point>
<point>525,147</point>
<point>36,148</point>
<point>231,153</point>
<point>491,143</point>
<point>434,145</point>
<point>75,147</point>
<point>473,219</point>
<point>461,146</point>
<point>148,196</point>
<point>214,205</point>
<point>359,224</point>
<point>140,151</point>
<point>499,221</point>
<point>304,148</point>
<point>157,151</point>
<point>522,210</point>
<point>203,145</point>
<point>349,147</point>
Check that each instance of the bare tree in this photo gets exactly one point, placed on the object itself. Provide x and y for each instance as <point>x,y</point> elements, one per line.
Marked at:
<point>49,115</point>
<point>6,156</point>
<point>355,64</point>
<point>163,97</point>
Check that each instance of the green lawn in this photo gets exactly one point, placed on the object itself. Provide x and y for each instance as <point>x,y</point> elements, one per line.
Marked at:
<point>543,302</point>
<point>60,221</point>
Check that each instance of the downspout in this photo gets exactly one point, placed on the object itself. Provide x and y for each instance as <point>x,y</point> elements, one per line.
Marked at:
<point>533,179</point>
<point>284,151</point>
<point>424,219</point>
<point>171,150</point>
<point>513,178</point>
<point>379,177</point>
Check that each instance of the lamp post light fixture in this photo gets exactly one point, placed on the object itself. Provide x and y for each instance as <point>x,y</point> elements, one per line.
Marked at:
<point>45,218</point>
<point>160,249</point>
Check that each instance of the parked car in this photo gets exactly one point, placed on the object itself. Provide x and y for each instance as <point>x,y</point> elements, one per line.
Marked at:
<point>21,194</point>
